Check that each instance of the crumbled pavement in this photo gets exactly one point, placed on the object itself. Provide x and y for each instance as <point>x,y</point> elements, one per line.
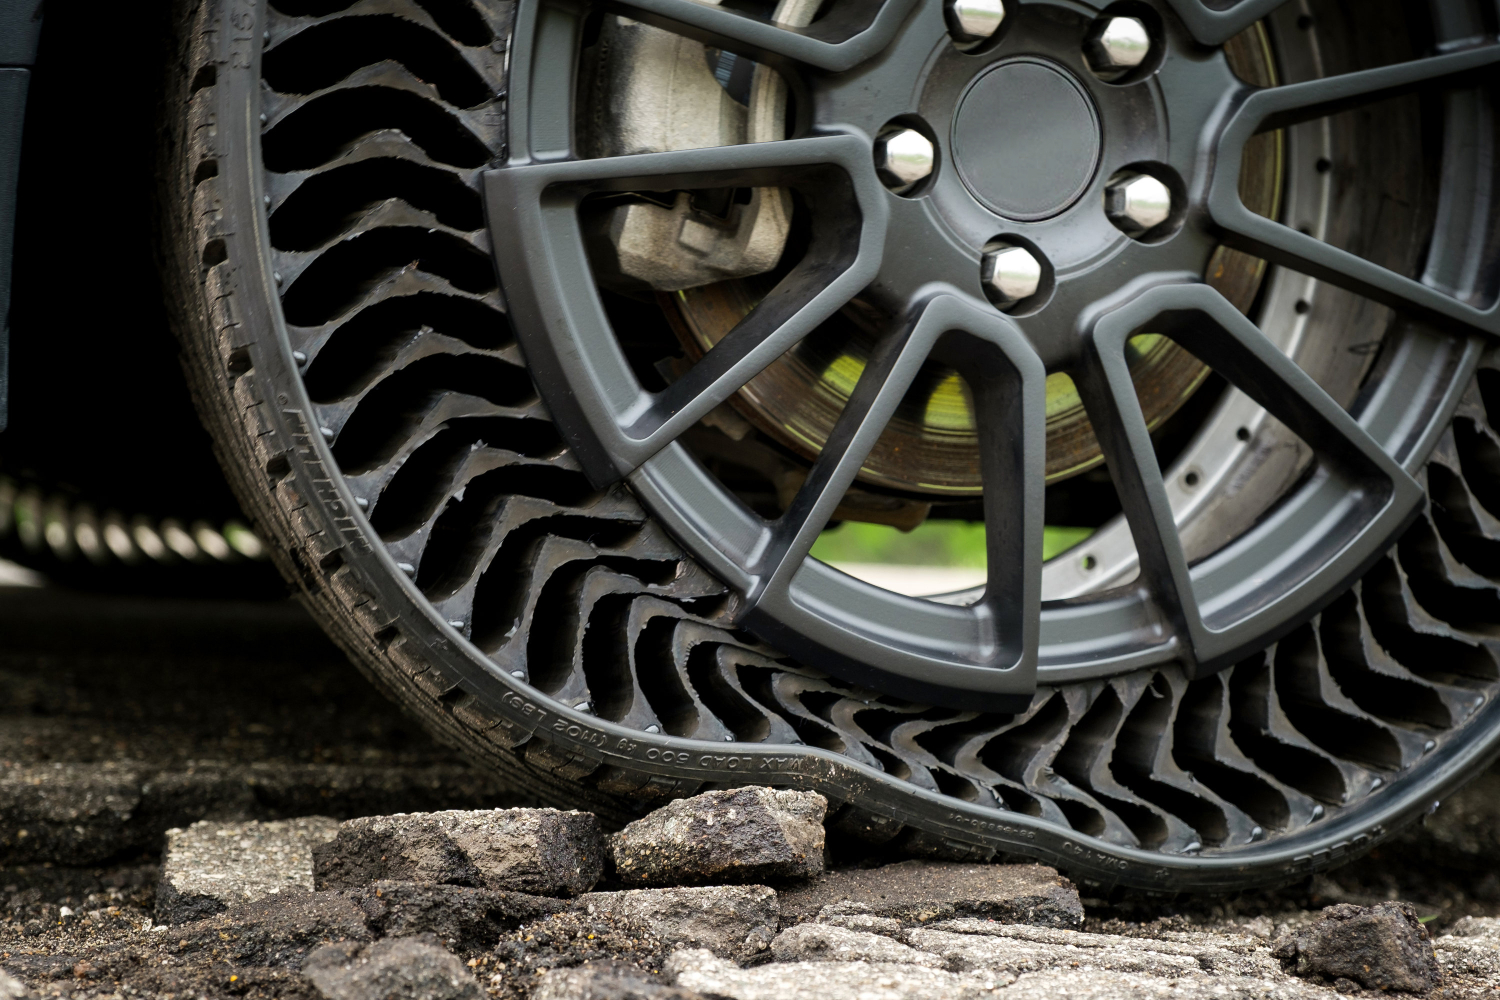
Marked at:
<point>732,921</point>
<point>209,866</point>
<point>606,980</point>
<point>568,939</point>
<point>415,967</point>
<point>736,835</point>
<point>1381,947</point>
<point>921,891</point>
<point>121,718</point>
<point>542,851</point>
<point>82,914</point>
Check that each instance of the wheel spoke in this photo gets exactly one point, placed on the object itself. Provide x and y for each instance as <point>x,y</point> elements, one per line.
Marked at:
<point>560,320</point>
<point>1010,390</point>
<point>1010,404</point>
<point>1109,397</point>
<point>1278,107</point>
<point>1215,27</point>
<point>795,307</point>
<point>836,43</point>
<point>1211,328</point>
<point>1206,324</point>
<point>881,385</point>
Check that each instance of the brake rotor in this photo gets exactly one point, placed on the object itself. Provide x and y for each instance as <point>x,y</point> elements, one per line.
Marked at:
<point>932,444</point>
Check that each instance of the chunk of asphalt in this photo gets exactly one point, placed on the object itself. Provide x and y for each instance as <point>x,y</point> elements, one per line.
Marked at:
<point>827,943</point>
<point>963,943</point>
<point>209,866</point>
<point>1098,984</point>
<point>858,917</point>
<point>1470,948</point>
<point>1381,947</point>
<point>277,932</point>
<point>916,892</point>
<point>407,967</point>
<point>566,940</point>
<point>545,852</point>
<point>463,918</point>
<point>738,835</point>
<point>607,980</point>
<point>974,951</point>
<point>700,970</point>
<point>733,921</point>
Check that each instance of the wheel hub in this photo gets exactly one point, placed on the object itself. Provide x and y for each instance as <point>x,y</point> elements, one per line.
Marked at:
<point>1026,139</point>
<point>1019,125</point>
<point>912,259</point>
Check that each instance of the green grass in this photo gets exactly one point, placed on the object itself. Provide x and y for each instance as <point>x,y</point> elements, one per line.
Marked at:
<point>934,543</point>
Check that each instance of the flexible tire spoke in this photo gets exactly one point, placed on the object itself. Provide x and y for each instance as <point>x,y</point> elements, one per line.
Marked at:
<point>836,43</point>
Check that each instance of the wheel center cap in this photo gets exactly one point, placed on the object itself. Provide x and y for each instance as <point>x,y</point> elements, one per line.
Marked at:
<point>1026,139</point>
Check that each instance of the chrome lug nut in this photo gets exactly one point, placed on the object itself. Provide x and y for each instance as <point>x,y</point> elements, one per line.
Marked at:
<point>1116,45</point>
<point>1137,203</point>
<point>1010,274</point>
<point>903,158</point>
<point>971,21</point>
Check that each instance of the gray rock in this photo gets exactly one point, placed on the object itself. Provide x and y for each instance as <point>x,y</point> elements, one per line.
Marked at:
<point>464,919</point>
<point>738,835</point>
<point>1381,947</point>
<point>735,922</point>
<point>607,981</point>
<point>541,851</point>
<point>408,968</point>
<point>209,866</point>
<point>827,943</point>
<point>274,932</point>
<point>702,971</point>
<point>917,892</point>
<point>857,917</point>
<point>14,989</point>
